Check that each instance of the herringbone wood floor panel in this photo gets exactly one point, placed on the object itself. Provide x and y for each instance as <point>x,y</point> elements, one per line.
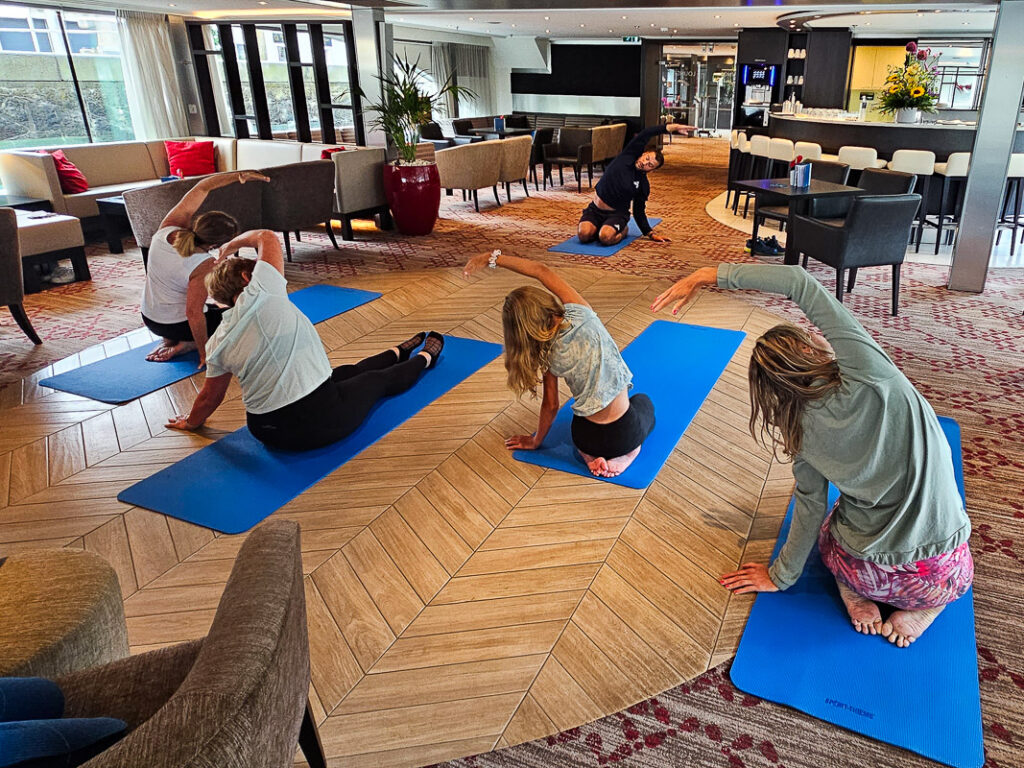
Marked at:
<point>457,600</point>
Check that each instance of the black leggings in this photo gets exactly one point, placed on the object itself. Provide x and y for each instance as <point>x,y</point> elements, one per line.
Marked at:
<point>183,331</point>
<point>619,437</point>
<point>338,406</point>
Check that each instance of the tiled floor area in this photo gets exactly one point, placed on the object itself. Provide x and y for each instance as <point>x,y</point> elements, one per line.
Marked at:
<point>458,600</point>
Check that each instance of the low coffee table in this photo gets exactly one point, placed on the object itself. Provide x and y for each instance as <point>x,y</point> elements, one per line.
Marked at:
<point>501,134</point>
<point>112,214</point>
<point>797,197</point>
<point>46,239</point>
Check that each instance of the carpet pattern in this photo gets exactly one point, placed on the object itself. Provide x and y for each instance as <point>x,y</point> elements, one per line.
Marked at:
<point>965,352</point>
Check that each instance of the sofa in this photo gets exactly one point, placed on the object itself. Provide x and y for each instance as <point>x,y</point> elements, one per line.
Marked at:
<point>237,698</point>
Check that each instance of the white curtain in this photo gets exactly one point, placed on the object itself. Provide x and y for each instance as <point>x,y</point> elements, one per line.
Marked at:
<point>472,65</point>
<point>441,69</point>
<point>154,96</point>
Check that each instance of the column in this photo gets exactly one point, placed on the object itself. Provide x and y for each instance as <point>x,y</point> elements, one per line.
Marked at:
<point>374,54</point>
<point>993,144</point>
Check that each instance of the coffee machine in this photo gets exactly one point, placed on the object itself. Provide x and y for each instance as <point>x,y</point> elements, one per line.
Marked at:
<point>758,82</point>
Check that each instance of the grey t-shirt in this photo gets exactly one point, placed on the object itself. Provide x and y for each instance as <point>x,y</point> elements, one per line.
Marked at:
<point>589,361</point>
<point>876,439</point>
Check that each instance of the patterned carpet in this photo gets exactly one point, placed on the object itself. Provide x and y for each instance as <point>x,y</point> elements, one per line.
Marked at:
<point>965,352</point>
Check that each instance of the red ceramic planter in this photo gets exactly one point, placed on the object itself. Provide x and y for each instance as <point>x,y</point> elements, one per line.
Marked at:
<point>414,194</point>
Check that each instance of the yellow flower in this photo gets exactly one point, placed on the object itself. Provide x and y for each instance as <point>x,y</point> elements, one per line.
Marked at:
<point>918,91</point>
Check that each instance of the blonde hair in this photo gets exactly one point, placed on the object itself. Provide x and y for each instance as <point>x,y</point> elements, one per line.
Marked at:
<point>226,280</point>
<point>787,371</point>
<point>530,319</point>
<point>213,228</point>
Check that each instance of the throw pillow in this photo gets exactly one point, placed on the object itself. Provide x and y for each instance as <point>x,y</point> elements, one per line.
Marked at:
<point>57,743</point>
<point>325,154</point>
<point>71,179</point>
<point>191,158</point>
<point>29,698</point>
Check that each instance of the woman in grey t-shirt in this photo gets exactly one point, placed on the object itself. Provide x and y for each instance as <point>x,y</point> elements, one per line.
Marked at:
<point>551,337</point>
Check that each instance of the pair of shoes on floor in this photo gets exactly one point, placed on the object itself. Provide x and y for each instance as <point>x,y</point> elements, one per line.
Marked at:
<point>432,342</point>
<point>765,246</point>
<point>59,276</point>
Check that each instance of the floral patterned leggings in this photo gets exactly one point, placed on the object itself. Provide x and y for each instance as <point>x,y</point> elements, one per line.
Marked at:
<point>928,583</point>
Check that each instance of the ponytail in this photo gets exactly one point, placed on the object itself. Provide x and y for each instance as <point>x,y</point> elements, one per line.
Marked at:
<point>185,243</point>
<point>213,228</point>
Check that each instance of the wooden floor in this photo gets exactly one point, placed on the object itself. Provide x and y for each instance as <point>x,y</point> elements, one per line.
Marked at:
<point>458,601</point>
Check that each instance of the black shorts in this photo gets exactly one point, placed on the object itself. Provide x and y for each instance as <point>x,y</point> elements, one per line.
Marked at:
<point>619,437</point>
<point>182,331</point>
<point>617,220</point>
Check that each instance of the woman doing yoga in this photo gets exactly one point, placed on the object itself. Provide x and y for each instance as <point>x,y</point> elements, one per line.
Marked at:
<point>548,337</point>
<point>174,298</point>
<point>898,534</point>
<point>293,400</point>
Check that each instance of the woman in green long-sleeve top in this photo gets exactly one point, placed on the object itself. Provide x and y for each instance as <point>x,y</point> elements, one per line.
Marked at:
<point>898,534</point>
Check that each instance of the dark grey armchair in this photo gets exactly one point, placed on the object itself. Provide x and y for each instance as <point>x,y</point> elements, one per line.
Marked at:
<point>148,206</point>
<point>775,207</point>
<point>873,181</point>
<point>12,286</point>
<point>874,233</point>
<point>299,196</point>
<point>541,137</point>
<point>431,132</point>
<point>462,129</point>
<point>235,699</point>
<point>572,147</point>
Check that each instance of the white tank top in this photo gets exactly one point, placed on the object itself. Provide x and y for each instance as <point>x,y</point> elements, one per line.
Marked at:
<point>167,276</point>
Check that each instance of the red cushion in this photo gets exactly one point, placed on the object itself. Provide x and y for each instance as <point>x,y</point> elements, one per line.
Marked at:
<point>71,179</point>
<point>325,154</point>
<point>191,158</point>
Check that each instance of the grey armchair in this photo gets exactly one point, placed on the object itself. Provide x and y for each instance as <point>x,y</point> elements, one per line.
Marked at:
<point>462,129</point>
<point>431,132</point>
<point>515,163</point>
<point>298,196</point>
<point>541,137</point>
<point>235,699</point>
<point>148,206</point>
<point>872,181</point>
<point>572,147</point>
<point>874,233</point>
<point>12,287</point>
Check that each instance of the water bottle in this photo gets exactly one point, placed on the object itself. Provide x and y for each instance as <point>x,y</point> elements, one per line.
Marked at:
<point>863,109</point>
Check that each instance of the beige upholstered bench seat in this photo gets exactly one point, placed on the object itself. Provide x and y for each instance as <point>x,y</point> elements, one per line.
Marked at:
<point>45,235</point>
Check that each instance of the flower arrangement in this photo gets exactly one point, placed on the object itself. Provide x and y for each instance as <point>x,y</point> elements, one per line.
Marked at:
<point>914,85</point>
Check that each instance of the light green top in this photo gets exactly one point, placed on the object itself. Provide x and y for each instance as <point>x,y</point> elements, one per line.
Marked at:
<point>876,439</point>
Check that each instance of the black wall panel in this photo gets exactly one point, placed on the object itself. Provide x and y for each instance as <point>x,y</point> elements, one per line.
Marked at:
<point>586,70</point>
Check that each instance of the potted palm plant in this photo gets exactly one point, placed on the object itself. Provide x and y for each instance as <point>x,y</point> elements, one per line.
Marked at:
<point>412,187</point>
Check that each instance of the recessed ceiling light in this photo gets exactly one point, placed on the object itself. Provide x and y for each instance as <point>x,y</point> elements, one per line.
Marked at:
<point>547,31</point>
<point>512,25</point>
<point>652,25</point>
<point>718,17</point>
<point>735,25</point>
<point>675,31</point>
<point>964,23</point>
<point>546,18</point>
<point>938,11</point>
<point>867,23</point>
<point>262,2</point>
<point>610,30</point>
<point>920,15</point>
<point>583,25</point>
<point>470,18</point>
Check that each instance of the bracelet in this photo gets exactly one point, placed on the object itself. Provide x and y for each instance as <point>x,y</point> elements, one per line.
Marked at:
<point>492,262</point>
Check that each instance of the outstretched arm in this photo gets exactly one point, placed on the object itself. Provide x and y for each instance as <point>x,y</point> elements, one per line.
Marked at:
<point>548,411</point>
<point>181,214</point>
<point>541,272</point>
<point>195,306</point>
<point>207,401</point>
<point>268,247</point>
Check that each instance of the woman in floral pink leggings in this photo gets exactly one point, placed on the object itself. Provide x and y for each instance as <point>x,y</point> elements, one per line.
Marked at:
<point>847,415</point>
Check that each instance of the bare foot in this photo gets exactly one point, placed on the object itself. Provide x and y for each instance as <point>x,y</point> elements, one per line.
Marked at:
<point>904,627</point>
<point>170,349</point>
<point>864,613</point>
<point>601,467</point>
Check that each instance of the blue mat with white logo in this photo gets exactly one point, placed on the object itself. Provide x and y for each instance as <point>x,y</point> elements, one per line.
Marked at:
<point>129,375</point>
<point>800,649</point>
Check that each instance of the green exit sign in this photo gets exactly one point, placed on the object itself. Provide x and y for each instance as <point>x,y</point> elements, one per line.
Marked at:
<point>631,39</point>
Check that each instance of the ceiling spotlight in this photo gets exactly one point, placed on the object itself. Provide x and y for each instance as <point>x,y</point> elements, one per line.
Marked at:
<point>547,31</point>
<point>938,11</point>
<point>546,18</point>
<point>624,17</point>
<point>512,25</point>
<point>583,25</point>
<point>867,23</point>
<point>609,31</point>
<point>964,23</point>
<point>718,17</point>
<point>470,18</point>
<point>652,25</point>
<point>675,31</point>
<point>735,25</point>
<point>920,15</point>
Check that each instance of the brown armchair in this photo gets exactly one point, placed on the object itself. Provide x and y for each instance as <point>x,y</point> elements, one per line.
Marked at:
<point>471,167</point>
<point>12,287</point>
<point>299,196</point>
<point>572,147</point>
<point>515,163</point>
<point>235,699</point>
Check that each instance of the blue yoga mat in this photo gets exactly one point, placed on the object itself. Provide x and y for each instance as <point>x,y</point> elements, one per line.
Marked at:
<point>674,364</point>
<point>233,484</point>
<point>800,649</point>
<point>573,244</point>
<point>129,375</point>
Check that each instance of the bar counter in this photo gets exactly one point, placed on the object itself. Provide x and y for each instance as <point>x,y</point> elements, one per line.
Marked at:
<point>886,138</point>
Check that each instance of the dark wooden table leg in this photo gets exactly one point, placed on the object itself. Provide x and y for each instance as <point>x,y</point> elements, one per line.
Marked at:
<point>309,742</point>
<point>792,256</point>
<point>113,230</point>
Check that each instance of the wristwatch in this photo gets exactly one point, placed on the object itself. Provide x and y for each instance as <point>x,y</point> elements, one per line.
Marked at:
<point>492,262</point>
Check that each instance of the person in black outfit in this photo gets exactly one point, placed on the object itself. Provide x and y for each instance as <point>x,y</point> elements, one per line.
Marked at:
<point>624,183</point>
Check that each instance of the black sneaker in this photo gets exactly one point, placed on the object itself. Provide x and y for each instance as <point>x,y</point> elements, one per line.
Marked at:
<point>764,248</point>
<point>749,246</point>
<point>773,242</point>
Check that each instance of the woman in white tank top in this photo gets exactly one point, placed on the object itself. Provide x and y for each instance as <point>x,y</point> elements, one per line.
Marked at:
<point>174,297</point>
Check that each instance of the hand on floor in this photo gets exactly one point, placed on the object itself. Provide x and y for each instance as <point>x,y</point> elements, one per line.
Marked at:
<point>522,442</point>
<point>751,577</point>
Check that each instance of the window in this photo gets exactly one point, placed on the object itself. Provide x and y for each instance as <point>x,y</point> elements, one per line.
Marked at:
<point>96,53</point>
<point>961,71</point>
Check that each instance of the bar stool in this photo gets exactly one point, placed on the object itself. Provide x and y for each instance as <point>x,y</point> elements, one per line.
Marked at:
<point>739,147</point>
<point>922,163</point>
<point>779,151</point>
<point>1010,216</point>
<point>808,150</point>
<point>757,166</point>
<point>954,169</point>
